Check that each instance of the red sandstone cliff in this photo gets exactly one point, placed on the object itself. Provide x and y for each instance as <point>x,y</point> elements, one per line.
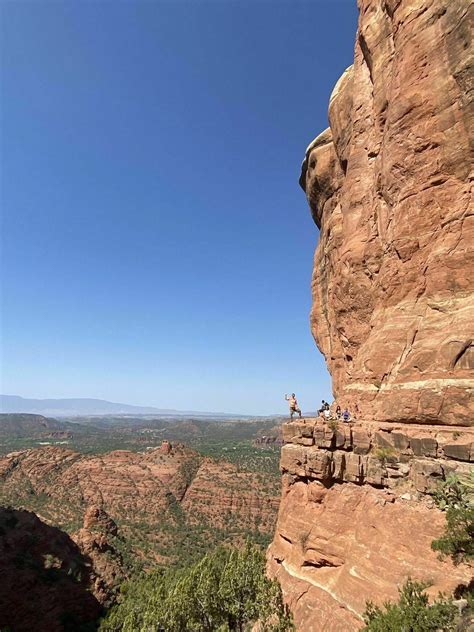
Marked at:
<point>393,314</point>
<point>388,184</point>
<point>356,519</point>
<point>46,581</point>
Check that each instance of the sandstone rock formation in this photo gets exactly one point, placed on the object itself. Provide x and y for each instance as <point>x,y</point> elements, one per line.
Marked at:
<point>96,540</point>
<point>393,314</point>
<point>356,519</point>
<point>46,581</point>
<point>153,496</point>
<point>388,184</point>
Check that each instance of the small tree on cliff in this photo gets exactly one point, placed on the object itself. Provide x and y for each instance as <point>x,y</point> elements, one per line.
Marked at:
<point>226,591</point>
<point>412,613</point>
<point>457,498</point>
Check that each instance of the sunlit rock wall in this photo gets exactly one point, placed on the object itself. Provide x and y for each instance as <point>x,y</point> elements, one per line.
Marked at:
<point>393,314</point>
<point>388,184</point>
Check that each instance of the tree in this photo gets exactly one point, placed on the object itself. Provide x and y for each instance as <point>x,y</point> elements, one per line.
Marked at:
<point>226,591</point>
<point>456,498</point>
<point>412,613</point>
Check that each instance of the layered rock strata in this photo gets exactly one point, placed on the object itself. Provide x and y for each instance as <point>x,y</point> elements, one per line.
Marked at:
<point>171,487</point>
<point>356,519</point>
<point>389,186</point>
<point>96,540</point>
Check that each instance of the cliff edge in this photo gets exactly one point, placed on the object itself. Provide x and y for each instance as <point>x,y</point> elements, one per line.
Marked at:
<point>388,184</point>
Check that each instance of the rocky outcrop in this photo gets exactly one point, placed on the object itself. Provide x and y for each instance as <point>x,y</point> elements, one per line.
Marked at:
<point>237,500</point>
<point>388,184</point>
<point>98,541</point>
<point>356,519</point>
<point>46,581</point>
<point>393,314</point>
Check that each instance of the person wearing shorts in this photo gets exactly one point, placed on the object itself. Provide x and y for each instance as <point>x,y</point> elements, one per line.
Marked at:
<point>294,408</point>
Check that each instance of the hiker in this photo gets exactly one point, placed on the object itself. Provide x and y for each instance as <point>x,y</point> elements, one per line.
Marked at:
<point>346,415</point>
<point>294,408</point>
<point>324,406</point>
<point>338,412</point>
<point>327,414</point>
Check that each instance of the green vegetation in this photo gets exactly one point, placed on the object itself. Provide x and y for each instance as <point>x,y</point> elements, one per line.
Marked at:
<point>456,497</point>
<point>264,461</point>
<point>225,591</point>
<point>219,439</point>
<point>384,454</point>
<point>412,613</point>
<point>177,536</point>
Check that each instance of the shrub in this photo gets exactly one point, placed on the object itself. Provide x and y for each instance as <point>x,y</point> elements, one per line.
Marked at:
<point>412,613</point>
<point>458,538</point>
<point>454,492</point>
<point>227,590</point>
<point>455,496</point>
<point>384,454</point>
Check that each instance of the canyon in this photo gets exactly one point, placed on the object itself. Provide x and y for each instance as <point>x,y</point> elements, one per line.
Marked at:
<point>388,185</point>
<point>155,497</point>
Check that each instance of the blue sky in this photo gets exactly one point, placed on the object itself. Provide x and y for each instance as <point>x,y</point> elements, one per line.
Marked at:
<point>156,247</point>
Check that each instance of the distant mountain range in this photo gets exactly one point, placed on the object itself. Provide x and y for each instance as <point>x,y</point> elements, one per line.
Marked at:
<point>86,406</point>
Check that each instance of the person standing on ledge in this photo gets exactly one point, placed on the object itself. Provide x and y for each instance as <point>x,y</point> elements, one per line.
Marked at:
<point>294,408</point>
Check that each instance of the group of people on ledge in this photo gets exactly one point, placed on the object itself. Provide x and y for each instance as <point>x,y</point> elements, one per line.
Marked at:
<point>334,412</point>
<point>326,412</point>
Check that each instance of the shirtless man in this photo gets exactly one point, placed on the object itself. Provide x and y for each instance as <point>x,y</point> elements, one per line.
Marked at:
<point>294,408</point>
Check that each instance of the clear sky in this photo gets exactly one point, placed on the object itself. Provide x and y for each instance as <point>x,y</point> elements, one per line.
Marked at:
<point>156,246</point>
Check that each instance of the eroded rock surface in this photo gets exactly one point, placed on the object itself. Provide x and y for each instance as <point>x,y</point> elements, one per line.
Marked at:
<point>97,541</point>
<point>388,184</point>
<point>46,581</point>
<point>356,518</point>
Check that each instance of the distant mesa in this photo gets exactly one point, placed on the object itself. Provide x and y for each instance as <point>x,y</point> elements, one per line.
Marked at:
<point>30,425</point>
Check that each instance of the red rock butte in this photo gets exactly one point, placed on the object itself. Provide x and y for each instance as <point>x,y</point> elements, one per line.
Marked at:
<point>393,314</point>
<point>388,184</point>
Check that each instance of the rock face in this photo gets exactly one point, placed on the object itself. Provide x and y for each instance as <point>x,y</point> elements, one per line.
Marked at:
<point>356,519</point>
<point>96,540</point>
<point>393,314</point>
<point>388,184</point>
<point>46,581</point>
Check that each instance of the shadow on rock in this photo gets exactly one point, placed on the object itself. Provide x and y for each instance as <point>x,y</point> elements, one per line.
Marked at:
<point>45,580</point>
